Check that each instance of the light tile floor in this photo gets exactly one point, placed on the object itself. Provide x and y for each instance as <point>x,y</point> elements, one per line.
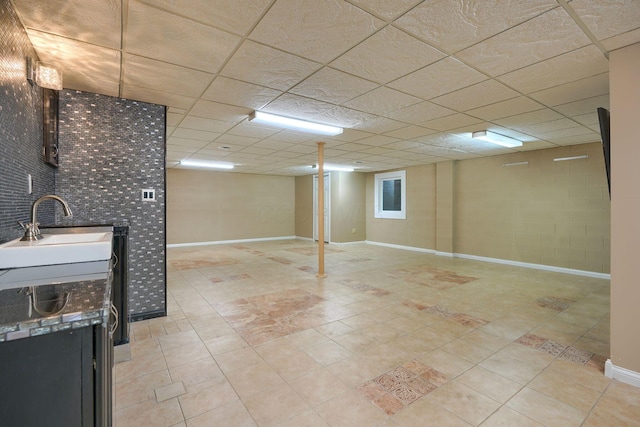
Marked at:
<point>389,338</point>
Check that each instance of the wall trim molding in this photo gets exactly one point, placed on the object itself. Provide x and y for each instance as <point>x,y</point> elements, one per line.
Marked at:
<point>224,242</point>
<point>621,374</point>
<point>406,248</point>
<point>499,261</point>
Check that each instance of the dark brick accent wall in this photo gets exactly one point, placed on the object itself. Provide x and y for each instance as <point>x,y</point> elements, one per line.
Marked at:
<point>20,131</point>
<point>110,150</point>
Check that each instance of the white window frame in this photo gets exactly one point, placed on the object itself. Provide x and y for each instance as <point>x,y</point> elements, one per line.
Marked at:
<point>379,212</point>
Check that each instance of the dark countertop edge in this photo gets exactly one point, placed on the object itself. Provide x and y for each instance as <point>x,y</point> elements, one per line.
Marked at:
<point>61,322</point>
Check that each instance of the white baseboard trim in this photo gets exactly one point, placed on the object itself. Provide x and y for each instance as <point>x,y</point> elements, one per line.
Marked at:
<point>406,248</point>
<point>537,266</point>
<point>225,242</point>
<point>348,243</point>
<point>621,374</point>
<point>308,239</point>
<point>499,261</point>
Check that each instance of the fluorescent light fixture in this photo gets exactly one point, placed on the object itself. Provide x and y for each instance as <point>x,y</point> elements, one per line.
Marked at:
<point>205,164</point>
<point>515,164</point>
<point>44,75</point>
<point>562,159</point>
<point>289,123</point>
<point>334,168</point>
<point>495,138</point>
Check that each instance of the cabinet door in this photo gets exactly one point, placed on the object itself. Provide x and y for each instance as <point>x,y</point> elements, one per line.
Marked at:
<point>43,379</point>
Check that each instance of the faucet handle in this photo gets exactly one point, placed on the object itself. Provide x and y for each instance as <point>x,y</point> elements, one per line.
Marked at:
<point>36,228</point>
<point>23,225</point>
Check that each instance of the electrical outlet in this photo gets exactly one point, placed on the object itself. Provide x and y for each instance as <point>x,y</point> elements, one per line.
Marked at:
<point>29,184</point>
<point>353,231</point>
<point>148,195</point>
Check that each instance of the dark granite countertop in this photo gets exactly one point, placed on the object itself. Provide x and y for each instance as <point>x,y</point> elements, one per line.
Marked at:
<point>35,305</point>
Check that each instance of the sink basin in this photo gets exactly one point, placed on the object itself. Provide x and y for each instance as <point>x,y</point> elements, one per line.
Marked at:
<point>56,249</point>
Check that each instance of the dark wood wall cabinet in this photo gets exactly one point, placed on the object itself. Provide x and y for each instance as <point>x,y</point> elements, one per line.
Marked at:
<point>58,379</point>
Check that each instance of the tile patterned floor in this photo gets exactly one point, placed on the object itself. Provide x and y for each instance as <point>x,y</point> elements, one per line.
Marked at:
<point>389,338</point>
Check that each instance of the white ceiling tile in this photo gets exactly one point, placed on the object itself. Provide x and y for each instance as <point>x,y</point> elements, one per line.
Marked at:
<point>92,21</point>
<point>608,18</point>
<point>380,125</point>
<point>157,97</point>
<point>247,129</point>
<point>437,79</point>
<point>186,142</point>
<point>421,112</point>
<point>333,86</point>
<point>577,131</point>
<point>298,107</point>
<point>538,116</point>
<point>266,66</point>
<point>584,62</point>
<point>538,129</point>
<point>385,9</point>
<point>179,148</point>
<point>258,151</point>
<point>195,134</point>
<point>583,106</point>
<point>576,139</point>
<point>451,122</point>
<point>84,66</point>
<point>506,108</point>
<point>377,140</point>
<point>410,132</point>
<point>622,40</point>
<point>235,16</point>
<point>543,37</point>
<point>173,119</point>
<point>272,145</point>
<point>478,95</point>
<point>160,76</point>
<point>234,140</point>
<point>160,35</point>
<point>319,30</point>
<point>403,145</point>
<point>236,92</point>
<point>343,117</point>
<point>544,53</point>
<point>454,25</point>
<point>570,92</point>
<point>221,112</point>
<point>205,124</point>
<point>382,101</point>
<point>387,55</point>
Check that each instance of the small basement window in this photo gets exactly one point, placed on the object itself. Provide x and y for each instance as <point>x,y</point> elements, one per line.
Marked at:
<point>390,195</point>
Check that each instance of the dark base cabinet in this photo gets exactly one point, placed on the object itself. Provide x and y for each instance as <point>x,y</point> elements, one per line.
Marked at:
<point>58,379</point>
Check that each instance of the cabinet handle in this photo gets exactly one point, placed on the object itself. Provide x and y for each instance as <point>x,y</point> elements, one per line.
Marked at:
<point>114,325</point>
<point>115,259</point>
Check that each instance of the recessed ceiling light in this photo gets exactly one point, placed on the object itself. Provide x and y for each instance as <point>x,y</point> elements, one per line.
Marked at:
<point>495,138</point>
<point>224,147</point>
<point>295,124</point>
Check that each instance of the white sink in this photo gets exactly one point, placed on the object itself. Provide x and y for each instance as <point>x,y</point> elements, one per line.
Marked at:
<point>56,249</point>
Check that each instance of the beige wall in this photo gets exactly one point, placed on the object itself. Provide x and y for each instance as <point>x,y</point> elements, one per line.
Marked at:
<point>624,69</point>
<point>419,229</point>
<point>304,206</point>
<point>204,206</point>
<point>347,207</point>
<point>348,195</point>
<point>546,212</point>
<point>550,213</point>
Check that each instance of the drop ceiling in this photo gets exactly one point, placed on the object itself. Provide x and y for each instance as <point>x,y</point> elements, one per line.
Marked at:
<point>408,80</point>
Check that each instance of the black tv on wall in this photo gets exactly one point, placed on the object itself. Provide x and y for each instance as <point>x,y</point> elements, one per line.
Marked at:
<point>605,133</point>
